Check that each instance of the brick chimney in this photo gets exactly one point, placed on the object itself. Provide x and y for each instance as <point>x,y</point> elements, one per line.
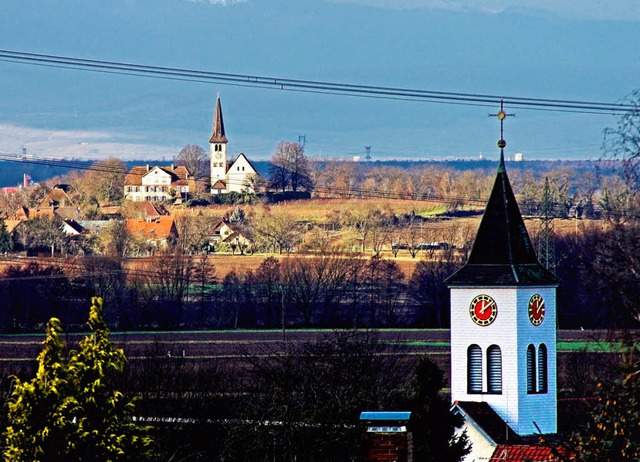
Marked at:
<point>387,437</point>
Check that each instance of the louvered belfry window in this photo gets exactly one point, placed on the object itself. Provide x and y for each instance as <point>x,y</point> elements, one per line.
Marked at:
<point>542,369</point>
<point>474,369</point>
<point>494,369</point>
<point>531,369</point>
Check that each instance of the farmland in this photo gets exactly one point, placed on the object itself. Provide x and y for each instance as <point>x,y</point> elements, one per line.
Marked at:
<point>18,351</point>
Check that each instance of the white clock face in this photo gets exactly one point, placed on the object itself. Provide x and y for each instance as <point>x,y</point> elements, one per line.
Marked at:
<point>218,155</point>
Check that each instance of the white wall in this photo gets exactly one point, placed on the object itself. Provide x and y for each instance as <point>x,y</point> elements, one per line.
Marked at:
<point>512,332</point>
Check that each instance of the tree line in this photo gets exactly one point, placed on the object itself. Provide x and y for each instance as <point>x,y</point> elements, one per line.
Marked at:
<point>327,288</point>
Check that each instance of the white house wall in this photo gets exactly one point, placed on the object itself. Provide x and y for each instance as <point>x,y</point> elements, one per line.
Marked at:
<point>481,447</point>
<point>239,175</point>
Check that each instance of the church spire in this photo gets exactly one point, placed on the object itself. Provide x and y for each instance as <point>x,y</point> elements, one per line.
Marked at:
<point>502,253</point>
<point>218,135</point>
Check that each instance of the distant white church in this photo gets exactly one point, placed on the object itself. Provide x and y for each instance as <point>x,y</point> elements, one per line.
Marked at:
<point>158,184</point>
<point>226,176</point>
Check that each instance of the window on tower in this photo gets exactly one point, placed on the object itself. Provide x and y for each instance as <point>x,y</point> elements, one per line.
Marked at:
<point>537,374</point>
<point>531,369</point>
<point>542,369</point>
<point>474,369</point>
<point>494,369</point>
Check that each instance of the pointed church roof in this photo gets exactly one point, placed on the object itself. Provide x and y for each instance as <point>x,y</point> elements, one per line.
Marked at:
<point>218,135</point>
<point>502,253</point>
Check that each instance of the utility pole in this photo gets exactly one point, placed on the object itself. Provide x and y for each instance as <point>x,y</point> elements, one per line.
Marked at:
<point>368,156</point>
<point>546,246</point>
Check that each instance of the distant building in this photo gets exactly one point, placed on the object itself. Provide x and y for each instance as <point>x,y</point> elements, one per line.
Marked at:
<point>156,231</point>
<point>226,176</point>
<point>57,197</point>
<point>158,184</point>
<point>518,157</point>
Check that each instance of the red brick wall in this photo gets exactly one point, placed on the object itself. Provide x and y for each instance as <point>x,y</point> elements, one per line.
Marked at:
<point>388,447</point>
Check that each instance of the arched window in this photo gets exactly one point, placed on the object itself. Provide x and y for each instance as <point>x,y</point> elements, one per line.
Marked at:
<point>542,369</point>
<point>494,369</point>
<point>531,369</point>
<point>474,369</point>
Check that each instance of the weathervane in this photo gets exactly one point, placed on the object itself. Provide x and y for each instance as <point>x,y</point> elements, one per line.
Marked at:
<point>502,115</point>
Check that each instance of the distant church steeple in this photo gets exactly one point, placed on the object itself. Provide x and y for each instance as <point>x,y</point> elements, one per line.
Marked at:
<point>503,319</point>
<point>218,135</point>
<point>218,149</point>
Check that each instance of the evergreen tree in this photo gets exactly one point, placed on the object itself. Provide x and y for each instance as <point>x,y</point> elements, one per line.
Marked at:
<point>6,243</point>
<point>71,410</point>
<point>433,423</point>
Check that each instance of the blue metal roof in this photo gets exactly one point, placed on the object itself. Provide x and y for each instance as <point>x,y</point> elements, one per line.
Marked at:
<point>384,415</point>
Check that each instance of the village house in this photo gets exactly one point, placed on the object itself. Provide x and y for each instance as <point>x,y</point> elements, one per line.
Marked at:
<point>226,233</point>
<point>55,204</point>
<point>155,231</point>
<point>158,184</point>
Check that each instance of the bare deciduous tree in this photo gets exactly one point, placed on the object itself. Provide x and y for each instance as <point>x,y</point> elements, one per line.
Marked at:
<point>290,167</point>
<point>195,159</point>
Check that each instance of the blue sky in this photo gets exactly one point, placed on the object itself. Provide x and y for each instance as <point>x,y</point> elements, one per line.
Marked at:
<point>581,50</point>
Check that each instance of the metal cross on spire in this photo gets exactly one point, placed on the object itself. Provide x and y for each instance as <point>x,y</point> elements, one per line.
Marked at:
<point>501,116</point>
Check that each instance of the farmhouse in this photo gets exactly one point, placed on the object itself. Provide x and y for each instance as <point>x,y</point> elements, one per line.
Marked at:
<point>158,184</point>
<point>227,233</point>
<point>157,231</point>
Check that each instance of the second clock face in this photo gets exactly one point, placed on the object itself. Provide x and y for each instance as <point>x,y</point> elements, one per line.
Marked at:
<point>483,310</point>
<point>536,309</point>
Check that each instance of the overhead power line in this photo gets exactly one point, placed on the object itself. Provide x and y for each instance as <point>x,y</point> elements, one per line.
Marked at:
<point>327,191</point>
<point>366,91</point>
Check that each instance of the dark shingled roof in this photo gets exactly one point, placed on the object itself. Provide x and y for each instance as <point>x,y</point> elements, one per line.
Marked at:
<point>502,253</point>
<point>218,135</point>
<point>489,421</point>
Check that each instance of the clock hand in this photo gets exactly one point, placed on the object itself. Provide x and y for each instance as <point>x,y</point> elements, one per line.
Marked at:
<point>485,306</point>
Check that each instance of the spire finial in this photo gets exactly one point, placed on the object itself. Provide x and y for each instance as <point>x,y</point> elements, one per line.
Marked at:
<point>501,142</point>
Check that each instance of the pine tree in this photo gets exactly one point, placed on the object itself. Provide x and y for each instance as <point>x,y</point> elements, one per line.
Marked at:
<point>434,425</point>
<point>71,410</point>
<point>6,243</point>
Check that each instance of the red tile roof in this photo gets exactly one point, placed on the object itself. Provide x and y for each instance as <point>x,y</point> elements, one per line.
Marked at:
<point>151,210</point>
<point>180,176</point>
<point>134,177</point>
<point>528,453</point>
<point>160,227</point>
